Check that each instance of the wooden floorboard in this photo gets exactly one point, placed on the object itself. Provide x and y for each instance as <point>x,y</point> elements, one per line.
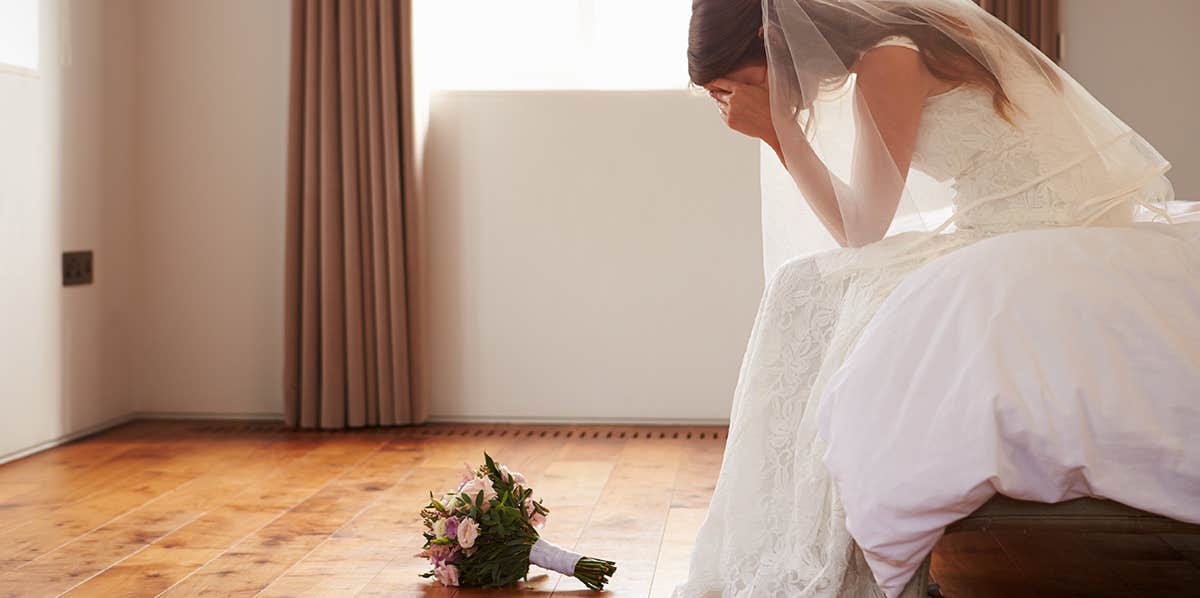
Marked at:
<point>130,531</point>
<point>203,509</point>
<point>235,509</point>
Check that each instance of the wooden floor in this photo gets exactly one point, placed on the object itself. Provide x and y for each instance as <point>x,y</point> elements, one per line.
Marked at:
<point>197,508</point>
<point>239,509</point>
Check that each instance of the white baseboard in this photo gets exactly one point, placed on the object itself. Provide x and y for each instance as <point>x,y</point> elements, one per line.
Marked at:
<point>124,419</point>
<point>61,440</point>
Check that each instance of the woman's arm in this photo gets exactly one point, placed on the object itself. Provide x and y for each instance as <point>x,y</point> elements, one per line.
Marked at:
<point>746,108</point>
<point>815,182</point>
<point>893,84</point>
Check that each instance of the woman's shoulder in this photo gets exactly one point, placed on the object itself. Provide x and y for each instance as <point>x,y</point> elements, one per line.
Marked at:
<point>902,41</point>
<point>894,66</point>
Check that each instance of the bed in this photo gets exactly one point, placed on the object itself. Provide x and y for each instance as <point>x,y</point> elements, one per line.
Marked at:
<point>1080,516</point>
<point>1056,367</point>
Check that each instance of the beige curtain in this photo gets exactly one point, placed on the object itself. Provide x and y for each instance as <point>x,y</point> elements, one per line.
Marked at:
<point>351,250</point>
<point>1036,20</point>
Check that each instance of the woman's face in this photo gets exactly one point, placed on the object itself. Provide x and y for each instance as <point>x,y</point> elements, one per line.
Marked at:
<point>752,73</point>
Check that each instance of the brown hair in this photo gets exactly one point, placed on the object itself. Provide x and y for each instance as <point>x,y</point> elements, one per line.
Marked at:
<point>723,36</point>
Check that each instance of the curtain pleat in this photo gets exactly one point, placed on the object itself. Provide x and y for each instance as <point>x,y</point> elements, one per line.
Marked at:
<point>1035,20</point>
<point>352,258</point>
<point>349,244</point>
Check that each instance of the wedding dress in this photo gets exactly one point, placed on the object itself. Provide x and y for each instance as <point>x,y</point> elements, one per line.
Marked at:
<point>775,527</point>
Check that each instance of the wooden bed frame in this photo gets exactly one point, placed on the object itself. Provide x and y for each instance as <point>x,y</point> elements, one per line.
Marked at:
<point>1083,515</point>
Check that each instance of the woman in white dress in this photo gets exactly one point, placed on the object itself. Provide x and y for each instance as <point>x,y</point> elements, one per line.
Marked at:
<point>879,110</point>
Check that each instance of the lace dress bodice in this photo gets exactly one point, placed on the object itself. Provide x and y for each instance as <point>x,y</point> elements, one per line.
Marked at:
<point>1009,174</point>
<point>994,166</point>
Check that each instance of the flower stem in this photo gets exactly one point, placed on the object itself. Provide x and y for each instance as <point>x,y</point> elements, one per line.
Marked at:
<point>594,573</point>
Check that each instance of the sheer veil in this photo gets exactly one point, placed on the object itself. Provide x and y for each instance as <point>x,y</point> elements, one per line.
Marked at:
<point>1020,146</point>
<point>835,154</point>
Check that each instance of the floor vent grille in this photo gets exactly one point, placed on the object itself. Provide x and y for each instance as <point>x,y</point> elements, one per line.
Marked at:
<point>434,431</point>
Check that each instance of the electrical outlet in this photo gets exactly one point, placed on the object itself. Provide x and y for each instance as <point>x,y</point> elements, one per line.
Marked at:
<point>76,268</point>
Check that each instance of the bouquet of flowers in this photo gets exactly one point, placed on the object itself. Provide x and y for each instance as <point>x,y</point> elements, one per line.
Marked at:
<point>485,534</point>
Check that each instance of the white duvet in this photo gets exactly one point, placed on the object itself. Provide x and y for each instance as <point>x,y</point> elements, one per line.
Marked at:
<point>1043,365</point>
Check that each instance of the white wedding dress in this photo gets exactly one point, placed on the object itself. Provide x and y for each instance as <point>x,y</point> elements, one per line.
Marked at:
<point>775,527</point>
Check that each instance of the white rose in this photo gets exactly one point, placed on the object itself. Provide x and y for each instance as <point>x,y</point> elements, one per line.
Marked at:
<point>468,532</point>
<point>439,528</point>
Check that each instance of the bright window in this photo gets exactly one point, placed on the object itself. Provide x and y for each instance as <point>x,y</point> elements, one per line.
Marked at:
<point>552,44</point>
<point>19,35</point>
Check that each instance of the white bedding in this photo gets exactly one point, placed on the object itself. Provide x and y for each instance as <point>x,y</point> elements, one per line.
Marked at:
<point>1044,365</point>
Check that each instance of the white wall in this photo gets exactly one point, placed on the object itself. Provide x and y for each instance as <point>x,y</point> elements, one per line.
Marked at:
<point>211,145</point>
<point>155,135</point>
<point>65,183</point>
<point>669,210</point>
<point>618,282</point>
<point>1142,60</point>
<point>593,255</point>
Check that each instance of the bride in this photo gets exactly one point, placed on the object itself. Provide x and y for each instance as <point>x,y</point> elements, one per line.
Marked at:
<point>886,114</point>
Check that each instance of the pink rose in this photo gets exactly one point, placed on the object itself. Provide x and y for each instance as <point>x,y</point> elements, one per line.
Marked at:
<point>446,574</point>
<point>468,532</point>
<point>516,476</point>
<point>473,486</point>
<point>536,519</point>
<point>439,553</point>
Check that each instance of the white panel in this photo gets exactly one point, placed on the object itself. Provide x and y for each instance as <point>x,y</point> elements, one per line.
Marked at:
<point>592,255</point>
<point>19,34</point>
<point>552,44</point>
<point>65,165</point>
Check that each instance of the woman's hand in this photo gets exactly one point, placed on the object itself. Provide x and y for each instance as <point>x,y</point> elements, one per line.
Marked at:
<point>745,108</point>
